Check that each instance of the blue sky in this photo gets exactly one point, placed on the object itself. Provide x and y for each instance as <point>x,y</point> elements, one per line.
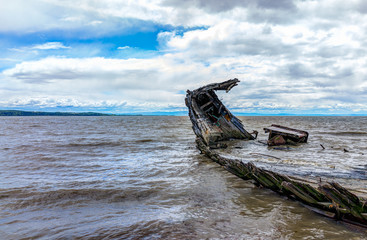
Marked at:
<point>296,57</point>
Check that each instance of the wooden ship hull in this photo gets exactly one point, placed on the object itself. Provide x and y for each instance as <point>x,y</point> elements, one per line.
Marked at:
<point>327,198</point>
<point>211,120</point>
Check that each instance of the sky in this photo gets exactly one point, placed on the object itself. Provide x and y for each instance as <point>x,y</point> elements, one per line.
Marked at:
<point>140,56</point>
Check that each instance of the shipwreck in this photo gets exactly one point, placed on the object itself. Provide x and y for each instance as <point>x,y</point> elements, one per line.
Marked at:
<point>213,123</point>
<point>211,120</point>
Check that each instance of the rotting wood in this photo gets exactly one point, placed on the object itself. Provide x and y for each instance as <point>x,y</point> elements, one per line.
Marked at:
<point>327,198</point>
<point>280,135</point>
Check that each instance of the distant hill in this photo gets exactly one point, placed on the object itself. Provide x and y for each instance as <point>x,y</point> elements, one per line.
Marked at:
<point>31,113</point>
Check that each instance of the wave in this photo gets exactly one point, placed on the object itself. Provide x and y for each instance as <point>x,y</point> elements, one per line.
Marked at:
<point>144,140</point>
<point>347,133</point>
<point>65,197</point>
<point>94,144</point>
<point>107,143</point>
<point>153,229</point>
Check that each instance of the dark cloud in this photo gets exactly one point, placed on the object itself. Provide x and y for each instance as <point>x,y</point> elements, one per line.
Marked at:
<point>344,96</point>
<point>279,4</point>
<point>216,6</point>
<point>277,12</point>
<point>324,25</point>
<point>319,76</point>
<point>298,70</point>
<point>254,46</point>
<point>333,51</point>
<point>239,45</point>
<point>273,16</point>
<point>45,77</point>
<point>267,30</point>
<point>267,93</point>
<point>341,51</point>
<point>361,6</point>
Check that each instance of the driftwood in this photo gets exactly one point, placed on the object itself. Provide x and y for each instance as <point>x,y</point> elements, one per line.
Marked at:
<point>327,198</point>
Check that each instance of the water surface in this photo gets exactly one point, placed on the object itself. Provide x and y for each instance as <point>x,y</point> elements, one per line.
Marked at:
<point>137,177</point>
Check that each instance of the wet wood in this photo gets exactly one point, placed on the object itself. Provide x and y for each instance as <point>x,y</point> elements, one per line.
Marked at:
<point>281,135</point>
<point>327,198</point>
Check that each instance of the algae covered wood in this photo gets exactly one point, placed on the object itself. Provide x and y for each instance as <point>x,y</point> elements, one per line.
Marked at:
<point>327,198</point>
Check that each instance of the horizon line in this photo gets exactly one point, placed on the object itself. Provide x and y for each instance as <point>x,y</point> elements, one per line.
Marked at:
<point>185,113</point>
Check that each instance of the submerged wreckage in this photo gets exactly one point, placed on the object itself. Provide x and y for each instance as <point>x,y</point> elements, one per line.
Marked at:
<point>212,123</point>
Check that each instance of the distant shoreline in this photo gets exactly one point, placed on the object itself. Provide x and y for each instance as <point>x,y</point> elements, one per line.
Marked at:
<point>19,113</point>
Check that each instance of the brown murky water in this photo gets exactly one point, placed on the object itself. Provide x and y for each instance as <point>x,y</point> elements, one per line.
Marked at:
<point>142,178</point>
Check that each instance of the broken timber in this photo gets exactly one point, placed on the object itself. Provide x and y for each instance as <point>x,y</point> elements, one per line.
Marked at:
<point>280,135</point>
<point>327,198</point>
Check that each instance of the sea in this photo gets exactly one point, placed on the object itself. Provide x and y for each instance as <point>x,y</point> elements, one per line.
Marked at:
<point>142,177</point>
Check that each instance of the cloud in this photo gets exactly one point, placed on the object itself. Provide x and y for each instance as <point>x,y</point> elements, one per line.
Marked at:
<point>115,16</point>
<point>123,48</point>
<point>21,15</point>
<point>223,6</point>
<point>49,46</point>
<point>154,84</point>
<point>82,20</point>
<point>94,80</point>
<point>295,55</point>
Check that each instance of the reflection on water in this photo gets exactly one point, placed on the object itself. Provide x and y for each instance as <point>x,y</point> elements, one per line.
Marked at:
<point>143,178</point>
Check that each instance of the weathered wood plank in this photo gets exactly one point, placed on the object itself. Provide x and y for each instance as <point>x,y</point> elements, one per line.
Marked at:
<point>329,199</point>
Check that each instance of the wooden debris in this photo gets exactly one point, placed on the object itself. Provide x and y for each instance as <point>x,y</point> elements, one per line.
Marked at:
<point>327,198</point>
<point>280,135</point>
